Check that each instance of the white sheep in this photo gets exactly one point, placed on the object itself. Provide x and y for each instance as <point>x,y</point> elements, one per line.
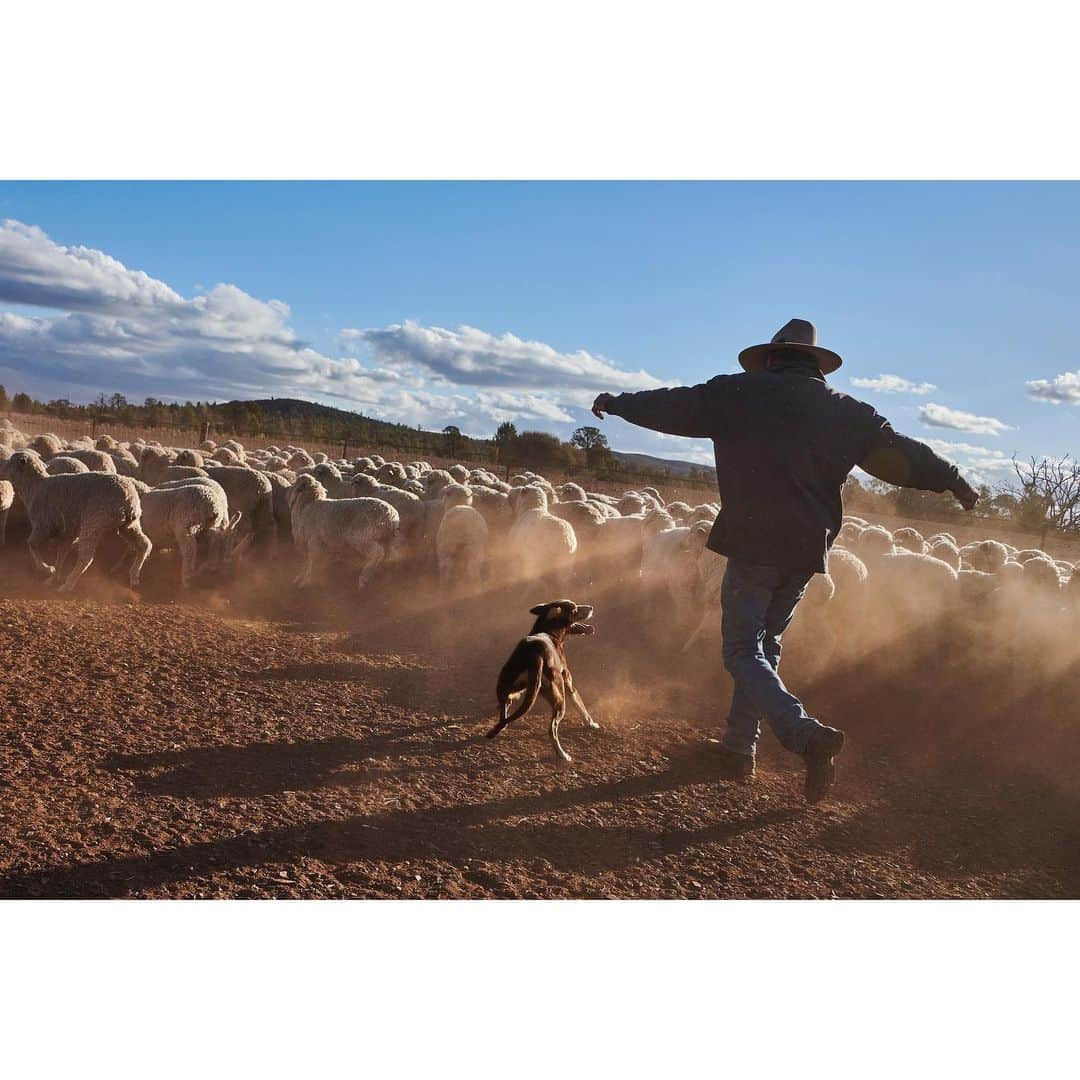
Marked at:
<point>251,493</point>
<point>946,551</point>
<point>461,545</point>
<point>910,539</point>
<point>191,458</point>
<point>7,497</point>
<point>153,461</point>
<point>324,528</point>
<point>76,511</point>
<point>393,474</point>
<point>913,586</point>
<point>300,459</point>
<point>47,445</point>
<point>223,455</point>
<point>528,497</point>
<point>543,547</point>
<point>849,534</point>
<point>669,567</point>
<point>64,463</point>
<point>94,460</point>
<point>330,477</point>
<point>175,514</point>
<point>985,555</point>
<point>873,543</point>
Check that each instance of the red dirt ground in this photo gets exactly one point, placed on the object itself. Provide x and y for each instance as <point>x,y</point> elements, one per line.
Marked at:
<point>255,743</point>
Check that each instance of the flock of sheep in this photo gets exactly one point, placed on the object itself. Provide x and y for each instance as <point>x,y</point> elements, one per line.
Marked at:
<point>219,505</point>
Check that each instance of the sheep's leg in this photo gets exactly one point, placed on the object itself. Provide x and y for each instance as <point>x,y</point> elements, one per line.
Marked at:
<point>140,545</point>
<point>690,641</point>
<point>189,557</point>
<point>87,548</point>
<point>34,542</point>
<point>304,577</point>
<point>65,553</point>
<point>575,697</point>
<point>119,564</point>
<point>553,693</point>
<point>446,572</point>
<point>374,557</point>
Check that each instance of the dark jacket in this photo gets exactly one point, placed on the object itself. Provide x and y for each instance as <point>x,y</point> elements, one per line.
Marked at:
<point>785,442</point>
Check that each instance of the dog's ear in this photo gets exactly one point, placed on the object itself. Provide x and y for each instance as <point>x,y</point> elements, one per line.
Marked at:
<point>540,609</point>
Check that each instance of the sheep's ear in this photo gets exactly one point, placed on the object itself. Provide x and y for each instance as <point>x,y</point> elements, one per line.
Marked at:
<point>235,520</point>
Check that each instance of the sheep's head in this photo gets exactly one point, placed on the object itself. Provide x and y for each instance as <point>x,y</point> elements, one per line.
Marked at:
<point>23,465</point>
<point>529,497</point>
<point>456,495</point>
<point>365,485</point>
<point>47,445</point>
<point>562,616</point>
<point>225,552</point>
<point>697,536</point>
<point>657,521</point>
<point>306,490</point>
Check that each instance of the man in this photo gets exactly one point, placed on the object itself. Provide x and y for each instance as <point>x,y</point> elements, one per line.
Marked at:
<point>785,443</point>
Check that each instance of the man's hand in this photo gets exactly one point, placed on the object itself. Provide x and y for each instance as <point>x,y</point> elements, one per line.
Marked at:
<point>601,405</point>
<point>965,494</point>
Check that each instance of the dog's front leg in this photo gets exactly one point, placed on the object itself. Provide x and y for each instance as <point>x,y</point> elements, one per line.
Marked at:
<point>575,697</point>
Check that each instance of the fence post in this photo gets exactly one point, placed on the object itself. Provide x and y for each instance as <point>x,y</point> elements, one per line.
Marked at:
<point>345,448</point>
<point>93,427</point>
<point>204,431</point>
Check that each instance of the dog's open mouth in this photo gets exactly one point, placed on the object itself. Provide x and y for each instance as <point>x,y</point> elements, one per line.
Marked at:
<point>582,612</point>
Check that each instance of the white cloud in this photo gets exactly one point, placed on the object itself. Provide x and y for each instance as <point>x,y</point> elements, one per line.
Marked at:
<point>979,464</point>
<point>1061,389</point>
<point>892,384</point>
<point>35,270</point>
<point>116,329</point>
<point>943,417</point>
<point>472,357</point>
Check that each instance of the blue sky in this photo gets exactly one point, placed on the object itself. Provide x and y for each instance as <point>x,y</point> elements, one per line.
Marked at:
<point>563,290</point>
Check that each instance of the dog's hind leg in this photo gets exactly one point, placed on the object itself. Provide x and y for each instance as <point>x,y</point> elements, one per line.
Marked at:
<point>527,701</point>
<point>554,693</point>
<point>504,719</point>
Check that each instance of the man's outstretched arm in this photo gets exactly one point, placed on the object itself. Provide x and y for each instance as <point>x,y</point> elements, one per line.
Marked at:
<point>906,462</point>
<point>679,411</point>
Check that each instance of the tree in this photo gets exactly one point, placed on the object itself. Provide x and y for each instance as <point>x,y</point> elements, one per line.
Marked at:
<point>22,403</point>
<point>1048,495</point>
<point>505,436</point>
<point>3,397</point>
<point>594,442</point>
<point>453,439</point>
<point>540,450</point>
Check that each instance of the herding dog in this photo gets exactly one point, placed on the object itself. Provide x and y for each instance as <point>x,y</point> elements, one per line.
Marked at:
<point>538,666</point>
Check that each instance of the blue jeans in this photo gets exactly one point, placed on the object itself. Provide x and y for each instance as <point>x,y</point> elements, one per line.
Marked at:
<point>758,604</point>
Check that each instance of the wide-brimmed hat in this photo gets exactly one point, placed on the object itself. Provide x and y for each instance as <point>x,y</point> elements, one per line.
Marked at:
<point>797,334</point>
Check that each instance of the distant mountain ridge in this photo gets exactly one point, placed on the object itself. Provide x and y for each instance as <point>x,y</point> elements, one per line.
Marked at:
<point>297,408</point>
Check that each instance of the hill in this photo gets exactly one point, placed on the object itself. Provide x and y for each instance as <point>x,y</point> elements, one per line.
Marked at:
<point>298,409</point>
<point>676,468</point>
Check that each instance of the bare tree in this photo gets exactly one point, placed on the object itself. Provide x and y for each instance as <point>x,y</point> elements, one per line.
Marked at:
<point>1049,493</point>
